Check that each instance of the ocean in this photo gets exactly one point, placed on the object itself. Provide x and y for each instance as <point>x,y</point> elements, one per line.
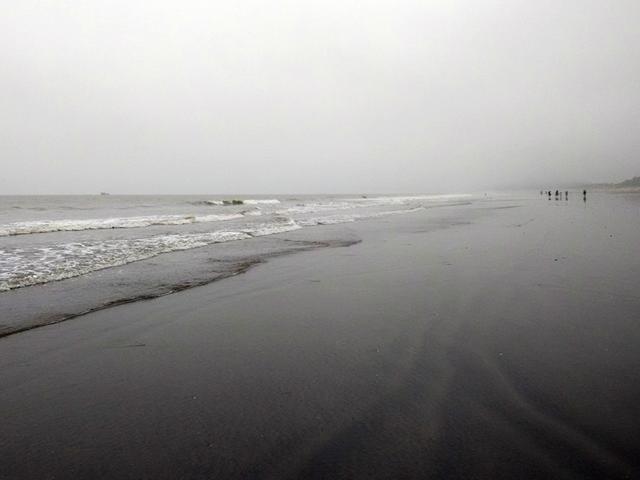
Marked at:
<point>99,239</point>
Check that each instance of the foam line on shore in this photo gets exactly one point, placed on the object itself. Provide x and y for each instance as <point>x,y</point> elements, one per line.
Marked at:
<point>240,266</point>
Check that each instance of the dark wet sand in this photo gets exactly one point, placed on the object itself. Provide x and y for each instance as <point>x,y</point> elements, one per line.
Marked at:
<point>472,343</point>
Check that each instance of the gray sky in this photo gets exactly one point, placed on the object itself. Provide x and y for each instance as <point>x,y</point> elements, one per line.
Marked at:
<point>325,96</point>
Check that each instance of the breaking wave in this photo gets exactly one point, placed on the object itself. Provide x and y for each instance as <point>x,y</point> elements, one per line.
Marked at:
<point>25,267</point>
<point>238,201</point>
<point>335,219</point>
<point>48,226</point>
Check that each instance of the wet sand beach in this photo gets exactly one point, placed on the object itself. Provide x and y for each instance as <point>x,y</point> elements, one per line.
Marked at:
<point>492,340</point>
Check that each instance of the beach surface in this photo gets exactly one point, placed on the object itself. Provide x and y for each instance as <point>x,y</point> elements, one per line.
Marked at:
<point>497,339</point>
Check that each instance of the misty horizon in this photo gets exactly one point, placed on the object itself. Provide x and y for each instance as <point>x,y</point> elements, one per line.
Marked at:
<point>335,98</point>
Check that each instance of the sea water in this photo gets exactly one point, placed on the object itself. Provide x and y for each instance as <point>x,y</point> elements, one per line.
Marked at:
<point>44,239</point>
<point>62,256</point>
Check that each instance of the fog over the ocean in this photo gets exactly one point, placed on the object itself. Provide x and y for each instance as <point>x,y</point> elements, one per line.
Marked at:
<point>132,96</point>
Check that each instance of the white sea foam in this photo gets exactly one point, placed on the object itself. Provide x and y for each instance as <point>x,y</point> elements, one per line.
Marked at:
<point>406,199</point>
<point>240,201</point>
<point>265,201</point>
<point>314,207</point>
<point>278,225</point>
<point>24,267</point>
<point>48,226</point>
<point>366,202</point>
<point>335,219</point>
<point>255,212</point>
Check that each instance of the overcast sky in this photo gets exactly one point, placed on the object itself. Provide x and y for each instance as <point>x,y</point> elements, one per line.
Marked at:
<point>329,96</point>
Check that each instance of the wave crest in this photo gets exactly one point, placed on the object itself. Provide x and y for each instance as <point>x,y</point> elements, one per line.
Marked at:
<point>25,228</point>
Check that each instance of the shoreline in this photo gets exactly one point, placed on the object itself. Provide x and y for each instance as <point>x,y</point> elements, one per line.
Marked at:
<point>56,301</point>
<point>239,267</point>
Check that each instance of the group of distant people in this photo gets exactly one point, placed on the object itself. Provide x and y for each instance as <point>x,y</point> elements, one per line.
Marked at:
<point>558,194</point>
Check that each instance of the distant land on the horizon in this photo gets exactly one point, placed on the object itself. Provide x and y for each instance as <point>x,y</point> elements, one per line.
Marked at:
<point>631,184</point>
